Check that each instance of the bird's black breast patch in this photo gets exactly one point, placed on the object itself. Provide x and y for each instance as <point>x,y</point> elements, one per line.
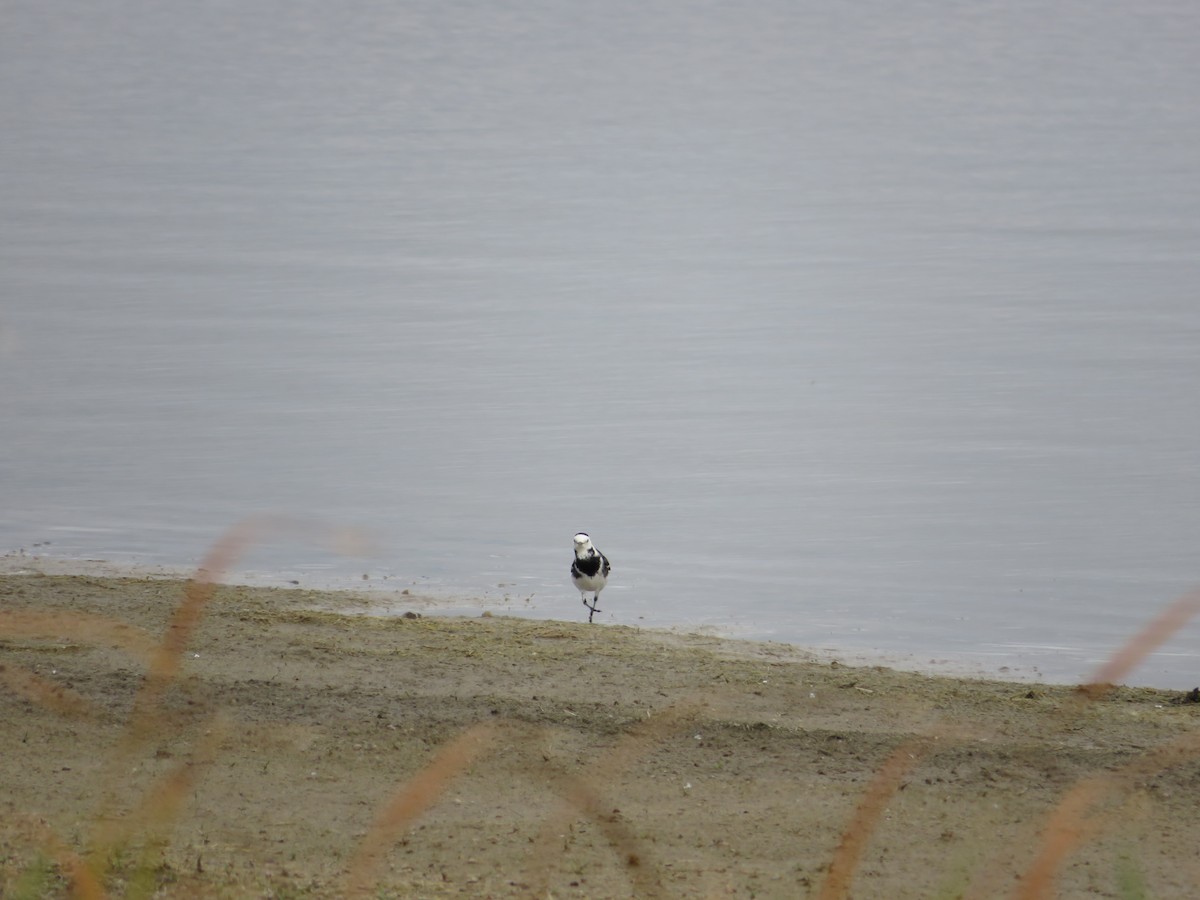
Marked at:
<point>589,566</point>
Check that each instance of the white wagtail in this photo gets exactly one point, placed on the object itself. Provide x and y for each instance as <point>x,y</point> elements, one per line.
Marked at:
<point>589,571</point>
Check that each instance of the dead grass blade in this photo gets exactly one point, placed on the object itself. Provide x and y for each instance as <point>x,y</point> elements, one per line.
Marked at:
<point>580,795</point>
<point>199,590</point>
<point>161,804</point>
<point>165,659</point>
<point>1075,819</point>
<point>417,795</point>
<point>57,697</point>
<point>84,628</point>
<point>874,801</point>
<point>161,807</point>
<point>421,791</point>
<point>84,883</point>
<point>1142,644</point>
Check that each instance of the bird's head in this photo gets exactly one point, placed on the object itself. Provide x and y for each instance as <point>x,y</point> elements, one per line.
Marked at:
<point>583,545</point>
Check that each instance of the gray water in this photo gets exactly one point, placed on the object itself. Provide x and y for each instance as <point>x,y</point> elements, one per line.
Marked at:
<point>868,327</point>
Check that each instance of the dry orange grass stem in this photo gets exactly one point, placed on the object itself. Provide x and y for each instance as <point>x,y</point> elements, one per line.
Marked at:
<point>417,795</point>
<point>581,795</point>
<point>1142,644</point>
<point>84,884</point>
<point>86,628</point>
<point>422,791</point>
<point>82,627</point>
<point>57,697</point>
<point>874,801</point>
<point>166,659</point>
<point>161,804</point>
<point>1075,821</point>
<point>165,663</point>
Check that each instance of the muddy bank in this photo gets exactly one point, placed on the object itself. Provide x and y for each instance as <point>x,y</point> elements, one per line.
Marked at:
<point>597,761</point>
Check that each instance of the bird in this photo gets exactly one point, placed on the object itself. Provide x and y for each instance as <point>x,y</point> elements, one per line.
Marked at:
<point>589,571</point>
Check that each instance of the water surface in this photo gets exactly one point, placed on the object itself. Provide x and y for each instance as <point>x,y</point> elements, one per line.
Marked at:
<point>872,329</point>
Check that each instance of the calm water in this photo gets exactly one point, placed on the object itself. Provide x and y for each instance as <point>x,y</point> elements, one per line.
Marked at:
<point>873,327</point>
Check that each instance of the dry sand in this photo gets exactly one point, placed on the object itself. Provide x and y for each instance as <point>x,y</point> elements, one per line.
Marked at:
<point>598,761</point>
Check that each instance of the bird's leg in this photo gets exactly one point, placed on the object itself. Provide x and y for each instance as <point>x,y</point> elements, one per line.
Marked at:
<point>592,607</point>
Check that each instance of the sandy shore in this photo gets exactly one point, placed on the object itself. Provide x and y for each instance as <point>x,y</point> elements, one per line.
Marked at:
<point>523,758</point>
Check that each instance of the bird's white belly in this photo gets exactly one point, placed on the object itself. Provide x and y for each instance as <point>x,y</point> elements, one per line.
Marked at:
<point>590,582</point>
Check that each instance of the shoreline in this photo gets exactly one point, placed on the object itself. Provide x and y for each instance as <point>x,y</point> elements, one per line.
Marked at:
<point>376,599</point>
<point>547,757</point>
